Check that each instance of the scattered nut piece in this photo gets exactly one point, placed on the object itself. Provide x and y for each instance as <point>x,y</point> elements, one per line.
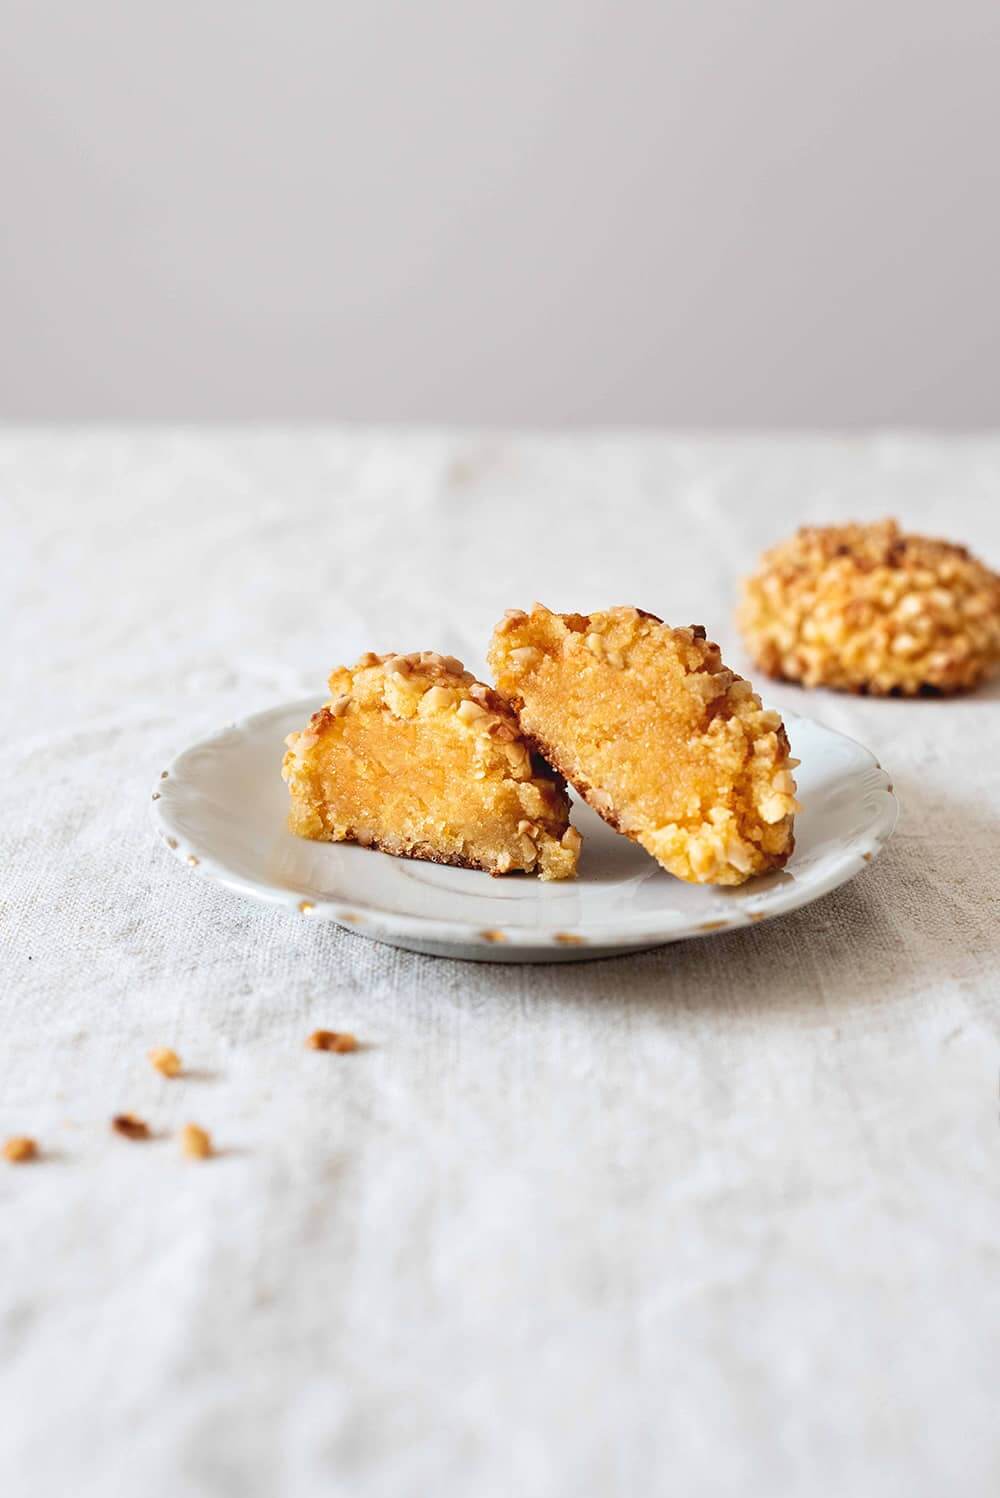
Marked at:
<point>196,1142</point>
<point>20,1150</point>
<point>129,1126</point>
<point>332,1040</point>
<point>165,1060</point>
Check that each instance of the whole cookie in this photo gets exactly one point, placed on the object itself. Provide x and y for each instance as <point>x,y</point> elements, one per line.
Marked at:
<point>865,608</point>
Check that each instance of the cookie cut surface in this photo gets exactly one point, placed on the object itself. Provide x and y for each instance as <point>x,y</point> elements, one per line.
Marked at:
<point>866,608</point>
<point>413,756</point>
<point>664,742</point>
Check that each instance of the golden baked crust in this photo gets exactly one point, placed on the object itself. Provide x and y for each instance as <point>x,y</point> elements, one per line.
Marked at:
<point>665,744</point>
<point>413,756</point>
<point>865,608</point>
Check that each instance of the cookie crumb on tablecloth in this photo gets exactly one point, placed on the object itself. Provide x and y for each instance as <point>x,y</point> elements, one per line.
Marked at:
<point>166,1061</point>
<point>20,1149</point>
<point>196,1142</point>
<point>332,1040</point>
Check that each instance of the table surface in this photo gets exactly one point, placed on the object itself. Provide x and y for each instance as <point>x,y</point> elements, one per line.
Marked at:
<point>719,1219</point>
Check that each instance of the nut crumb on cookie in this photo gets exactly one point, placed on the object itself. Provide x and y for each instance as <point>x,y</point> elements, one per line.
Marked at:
<point>129,1126</point>
<point>20,1149</point>
<point>332,1040</point>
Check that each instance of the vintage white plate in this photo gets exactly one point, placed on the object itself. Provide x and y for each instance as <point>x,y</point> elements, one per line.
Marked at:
<point>221,808</point>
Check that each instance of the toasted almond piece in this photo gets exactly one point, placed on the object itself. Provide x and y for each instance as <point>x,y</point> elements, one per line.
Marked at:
<point>20,1149</point>
<point>196,1142</point>
<point>332,1040</point>
<point>166,1061</point>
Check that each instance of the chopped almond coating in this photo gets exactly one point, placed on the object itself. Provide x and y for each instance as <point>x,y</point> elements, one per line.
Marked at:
<point>413,756</point>
<point>665,744</point>
<point>864,608</point>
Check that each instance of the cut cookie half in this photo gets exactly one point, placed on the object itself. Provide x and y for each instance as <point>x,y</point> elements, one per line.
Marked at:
<point>413,756</point>
<point>664,742</point>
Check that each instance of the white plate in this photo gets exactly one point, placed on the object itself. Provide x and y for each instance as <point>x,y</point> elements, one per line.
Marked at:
<point>221,808</point>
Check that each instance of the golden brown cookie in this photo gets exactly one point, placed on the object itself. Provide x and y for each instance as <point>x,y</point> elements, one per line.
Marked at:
<point>865,608</point>
<point>665,743</point>
<point>415,757</point>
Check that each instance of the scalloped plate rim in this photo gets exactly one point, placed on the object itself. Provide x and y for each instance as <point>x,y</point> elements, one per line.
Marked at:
<point>435,935</point>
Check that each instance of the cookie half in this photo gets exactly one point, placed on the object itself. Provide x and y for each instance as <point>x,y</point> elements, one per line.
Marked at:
<point>865,608</point>
<point>413,756</point>
<point>664,742</point>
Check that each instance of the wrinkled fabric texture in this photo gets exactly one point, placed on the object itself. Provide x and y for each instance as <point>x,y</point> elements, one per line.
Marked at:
<point>718,1219</point>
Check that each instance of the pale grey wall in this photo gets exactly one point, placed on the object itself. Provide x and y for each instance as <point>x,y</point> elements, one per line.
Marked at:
<point>546,211</point>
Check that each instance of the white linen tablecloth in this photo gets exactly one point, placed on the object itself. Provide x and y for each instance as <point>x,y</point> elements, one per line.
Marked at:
<point>719,1219</point>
